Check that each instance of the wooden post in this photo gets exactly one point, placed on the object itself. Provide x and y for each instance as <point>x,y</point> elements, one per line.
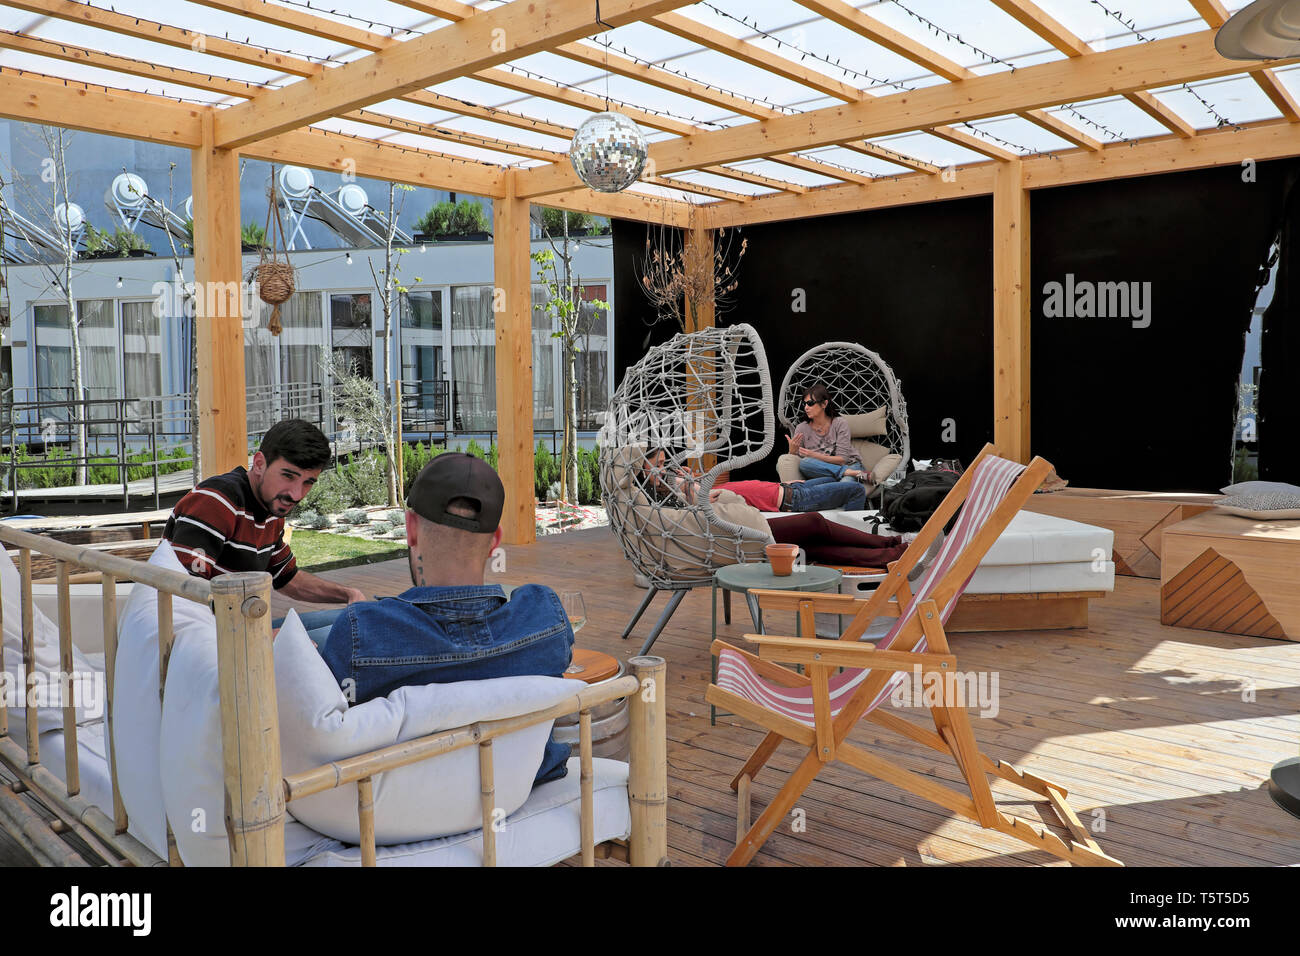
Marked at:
<point>120,821</point>
<point>67,686</point>
<point>587,818</point>
<point>512,300</point>
<point>647,783</point>
<point>366,820</point>
<point>698,265</point>
<point>29,654</point>
<point>1012,308</point>
<point>487,802</point>
<point>250,727</point>
<point>218,326</point>
<point>400,450</point>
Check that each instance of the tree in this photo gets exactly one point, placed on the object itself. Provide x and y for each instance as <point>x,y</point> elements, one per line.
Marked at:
<point>564,303</point>
<point>188,309</point>
<point>387,287</point>
<point>677,284</point>
<point>54,175</point>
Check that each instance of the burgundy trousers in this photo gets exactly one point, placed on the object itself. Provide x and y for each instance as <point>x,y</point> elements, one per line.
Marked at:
<point>829,542</point>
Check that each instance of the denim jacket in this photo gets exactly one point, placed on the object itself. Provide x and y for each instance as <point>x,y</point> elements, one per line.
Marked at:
<point>439,635</point>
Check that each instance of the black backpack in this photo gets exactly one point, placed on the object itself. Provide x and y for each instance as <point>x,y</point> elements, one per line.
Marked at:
<point>909,504</point>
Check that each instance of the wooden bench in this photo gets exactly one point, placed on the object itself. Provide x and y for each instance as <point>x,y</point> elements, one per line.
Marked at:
<point>1221,572</point>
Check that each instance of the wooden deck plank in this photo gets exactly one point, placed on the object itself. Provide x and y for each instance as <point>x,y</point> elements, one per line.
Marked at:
<point>1145,722</point>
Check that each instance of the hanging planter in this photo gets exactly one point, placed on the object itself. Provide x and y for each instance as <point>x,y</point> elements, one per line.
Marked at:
<point>274,276</point>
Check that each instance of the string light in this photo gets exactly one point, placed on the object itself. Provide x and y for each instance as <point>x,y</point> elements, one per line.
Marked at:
<point>349,258</point>
<point>953,37</point>
<point>1219,119</point>
<point>119,282</point>
<point>803,54</point>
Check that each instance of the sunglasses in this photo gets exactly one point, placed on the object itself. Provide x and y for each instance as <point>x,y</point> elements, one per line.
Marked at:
<point>810,402</point>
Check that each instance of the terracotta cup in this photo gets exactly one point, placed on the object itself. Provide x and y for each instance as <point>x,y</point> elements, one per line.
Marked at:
<point>781,557</point>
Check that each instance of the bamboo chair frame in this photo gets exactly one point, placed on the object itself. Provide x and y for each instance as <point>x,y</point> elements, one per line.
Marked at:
<point>827,741</point>
<point>256,790</point>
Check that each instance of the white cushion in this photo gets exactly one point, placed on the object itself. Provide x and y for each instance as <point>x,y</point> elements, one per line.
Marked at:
<point>1037,578</point>
<point>45,632</point>
<point>137,716</point>
<point>429,799</point>
<point>426,800</point>
<point>542,832</point>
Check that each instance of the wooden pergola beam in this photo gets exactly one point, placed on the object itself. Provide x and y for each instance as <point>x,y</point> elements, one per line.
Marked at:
<point>35,98</point>
<point>1047,27</point>
<point>489,39</point>
<point>1272,139</point>
<point>1216,15</point>
<point>1160,63</point>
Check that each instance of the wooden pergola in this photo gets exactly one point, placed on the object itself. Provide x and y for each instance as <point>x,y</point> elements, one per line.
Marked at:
<point>374,115</point>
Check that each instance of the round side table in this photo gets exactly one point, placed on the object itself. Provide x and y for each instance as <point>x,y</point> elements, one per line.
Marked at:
<point>744,577</point>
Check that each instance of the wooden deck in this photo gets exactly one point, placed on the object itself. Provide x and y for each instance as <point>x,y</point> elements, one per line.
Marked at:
<point>1163,736</point>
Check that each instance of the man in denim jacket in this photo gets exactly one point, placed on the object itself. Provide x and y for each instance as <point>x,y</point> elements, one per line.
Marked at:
<point>451,626</point>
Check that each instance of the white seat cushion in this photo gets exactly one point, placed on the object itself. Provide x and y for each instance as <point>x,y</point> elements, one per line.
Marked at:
<point>542,832</point>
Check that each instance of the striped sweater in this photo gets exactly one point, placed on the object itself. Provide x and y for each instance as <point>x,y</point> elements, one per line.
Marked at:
<point>220,527</point>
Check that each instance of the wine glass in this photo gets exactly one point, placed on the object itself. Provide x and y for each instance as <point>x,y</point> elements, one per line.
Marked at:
<point>575,609</point>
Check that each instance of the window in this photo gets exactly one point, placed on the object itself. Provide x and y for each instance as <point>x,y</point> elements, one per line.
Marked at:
<point>421,343</point>
<point>473,359</point>
<point>141,365</point>
<point>302,349</point>
<point>54,374</point>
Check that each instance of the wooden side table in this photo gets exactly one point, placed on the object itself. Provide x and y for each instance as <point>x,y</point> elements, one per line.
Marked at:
<point>1221,572</point>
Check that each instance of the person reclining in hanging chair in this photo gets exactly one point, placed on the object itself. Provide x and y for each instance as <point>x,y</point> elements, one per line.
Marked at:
<point>823,540</point>
<point>813,494</point>
<point>823,441</point>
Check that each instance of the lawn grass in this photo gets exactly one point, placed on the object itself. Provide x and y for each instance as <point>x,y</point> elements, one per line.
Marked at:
<point>322,551</point>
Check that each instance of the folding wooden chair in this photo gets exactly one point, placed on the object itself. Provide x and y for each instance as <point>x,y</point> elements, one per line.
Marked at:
<point>818,708</point>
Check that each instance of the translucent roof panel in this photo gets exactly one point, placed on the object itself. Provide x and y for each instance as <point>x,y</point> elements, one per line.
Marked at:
<point>1228,101</point>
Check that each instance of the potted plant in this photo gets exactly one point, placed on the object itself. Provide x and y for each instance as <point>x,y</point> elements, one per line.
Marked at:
<point>130,244</point>
<point>435,222</point>
<point>252,238</point>
<point>99,244</point>
<point>470,222</point>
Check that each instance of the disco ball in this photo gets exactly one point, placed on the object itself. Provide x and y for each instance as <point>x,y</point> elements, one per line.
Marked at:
<point>608,152</point>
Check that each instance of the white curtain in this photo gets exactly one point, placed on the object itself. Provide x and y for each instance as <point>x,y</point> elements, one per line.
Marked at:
<point>546,416</point>
<point>141,365</point>
<point>473,358</point>
<point>302,345</point>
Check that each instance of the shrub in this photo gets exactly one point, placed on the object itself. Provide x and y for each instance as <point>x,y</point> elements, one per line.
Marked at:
<point>354,516</point>
<point>314,520</point>
<point>475,449</point>
<point>546,470</point>
<point>381,528</point>
<point>396,517</point>
<point>415,457</point>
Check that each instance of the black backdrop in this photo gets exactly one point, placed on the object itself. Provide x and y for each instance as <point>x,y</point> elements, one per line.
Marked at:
<point>1112,405</point>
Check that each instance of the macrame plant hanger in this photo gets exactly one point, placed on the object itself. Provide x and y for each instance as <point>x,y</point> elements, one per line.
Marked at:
<point>275,278</point>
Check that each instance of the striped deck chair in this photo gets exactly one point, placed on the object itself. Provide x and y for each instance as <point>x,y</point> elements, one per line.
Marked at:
<point>818,708</point>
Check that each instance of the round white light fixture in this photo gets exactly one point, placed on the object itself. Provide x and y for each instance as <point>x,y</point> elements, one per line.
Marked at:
<point>1265,30</point>
<point>608,152</point>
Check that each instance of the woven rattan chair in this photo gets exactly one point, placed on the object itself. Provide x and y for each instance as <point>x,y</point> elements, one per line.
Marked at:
<point>706,398</point>
<point>860,382</point>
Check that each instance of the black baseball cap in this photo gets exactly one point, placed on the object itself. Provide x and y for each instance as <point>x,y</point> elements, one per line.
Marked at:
<point>454,475</point>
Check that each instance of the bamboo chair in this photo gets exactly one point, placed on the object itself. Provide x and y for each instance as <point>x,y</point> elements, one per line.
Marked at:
<point>818,708</point>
